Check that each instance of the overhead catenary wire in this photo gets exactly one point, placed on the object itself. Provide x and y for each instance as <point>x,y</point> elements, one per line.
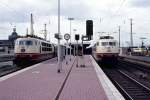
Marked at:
<point>115,13</point>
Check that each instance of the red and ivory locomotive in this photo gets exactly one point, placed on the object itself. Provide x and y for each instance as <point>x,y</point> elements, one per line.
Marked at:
<point>31,49</point>
<point>106,48</point>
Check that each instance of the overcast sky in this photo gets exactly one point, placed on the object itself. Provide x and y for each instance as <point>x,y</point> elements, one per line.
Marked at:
<point>107,15</point>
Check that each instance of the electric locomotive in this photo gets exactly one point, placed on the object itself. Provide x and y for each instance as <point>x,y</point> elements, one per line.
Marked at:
<point>106,49</point>
<point>31,49</point>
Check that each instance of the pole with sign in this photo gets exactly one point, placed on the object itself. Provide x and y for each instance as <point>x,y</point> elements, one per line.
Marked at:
<point>59,37</point>
<point>77,39</point>
<point>66,37</point>
<point>82,56</point>
<point>58,51</point>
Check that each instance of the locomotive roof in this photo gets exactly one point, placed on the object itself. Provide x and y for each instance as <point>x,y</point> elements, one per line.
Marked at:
<point>32,38</point>
<point>106,37</point>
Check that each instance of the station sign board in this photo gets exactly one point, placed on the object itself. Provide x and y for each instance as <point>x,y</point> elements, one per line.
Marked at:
<point>85,38</point>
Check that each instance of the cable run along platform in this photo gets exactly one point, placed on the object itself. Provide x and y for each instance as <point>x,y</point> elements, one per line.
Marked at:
<point>42,82</point>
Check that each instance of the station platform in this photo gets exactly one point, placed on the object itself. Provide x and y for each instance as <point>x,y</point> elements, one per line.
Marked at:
<point>42,82</point>
<point>138,58</point>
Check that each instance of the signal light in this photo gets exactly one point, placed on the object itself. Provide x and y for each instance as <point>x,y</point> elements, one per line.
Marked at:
<point>89,28</point>
<point>77,37</point>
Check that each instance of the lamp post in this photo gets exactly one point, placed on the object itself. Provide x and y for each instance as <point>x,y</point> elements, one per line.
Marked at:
<point>58,52</point>
<point>77,39</point>
<point>74,44</point>
<point>70,35</point>
<point>66,51</point>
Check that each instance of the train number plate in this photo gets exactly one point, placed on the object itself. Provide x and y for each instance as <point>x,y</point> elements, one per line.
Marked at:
<point>22,50</point>
<point>108,50</point>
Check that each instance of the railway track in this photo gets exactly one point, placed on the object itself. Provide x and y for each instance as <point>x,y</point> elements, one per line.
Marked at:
<point>140,67</point>
<point>129,87</point>
<point>7,69</point>
<point>10,68</point>
<point>139,72</point>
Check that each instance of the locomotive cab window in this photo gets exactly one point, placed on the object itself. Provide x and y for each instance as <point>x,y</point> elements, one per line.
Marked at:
<point>112,43</point>
<point>29,43</point>
<point>21,42</point>
<point>104,43</point>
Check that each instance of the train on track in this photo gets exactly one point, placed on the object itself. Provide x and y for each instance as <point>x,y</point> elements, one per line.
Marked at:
<point>106,49</point>
<point>30,49</point>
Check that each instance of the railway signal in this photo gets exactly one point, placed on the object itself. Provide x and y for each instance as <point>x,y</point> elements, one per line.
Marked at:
<point>89,29</point>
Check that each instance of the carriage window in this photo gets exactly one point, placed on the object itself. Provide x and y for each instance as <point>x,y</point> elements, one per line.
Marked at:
<point>43,44</point>
<point>112,43</point>
<point>50,45</point>
<point>104,43</point>
<point>29,42</point>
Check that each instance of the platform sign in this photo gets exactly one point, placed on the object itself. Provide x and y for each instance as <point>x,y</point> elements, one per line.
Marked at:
<point>67,36</point>
<point>58,36</point>
<point>85,38</point>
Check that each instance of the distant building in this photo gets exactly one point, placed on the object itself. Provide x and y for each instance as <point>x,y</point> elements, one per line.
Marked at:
<point>14,35</point>
<point>7,46</point>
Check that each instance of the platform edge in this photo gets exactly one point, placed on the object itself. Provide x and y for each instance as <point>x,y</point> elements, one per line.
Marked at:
<point>110,90</point>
